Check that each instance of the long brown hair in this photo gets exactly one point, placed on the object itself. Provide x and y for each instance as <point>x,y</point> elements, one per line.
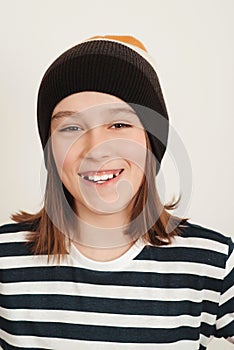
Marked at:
<point>149,215</point>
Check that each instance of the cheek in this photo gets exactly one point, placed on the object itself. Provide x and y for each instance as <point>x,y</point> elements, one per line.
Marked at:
<point>63,155</point>
<point>134,150</point>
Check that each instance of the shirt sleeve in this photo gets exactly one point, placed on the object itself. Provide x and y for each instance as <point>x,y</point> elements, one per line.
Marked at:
<point>225,316</point>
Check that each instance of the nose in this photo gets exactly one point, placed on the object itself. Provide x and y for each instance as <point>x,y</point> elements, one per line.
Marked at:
<point>97,144</point>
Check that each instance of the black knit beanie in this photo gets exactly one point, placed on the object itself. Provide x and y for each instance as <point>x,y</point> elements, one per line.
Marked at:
<point>116,65</point>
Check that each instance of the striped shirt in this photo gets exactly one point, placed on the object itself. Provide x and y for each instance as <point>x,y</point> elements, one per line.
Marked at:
<point>170,297</point>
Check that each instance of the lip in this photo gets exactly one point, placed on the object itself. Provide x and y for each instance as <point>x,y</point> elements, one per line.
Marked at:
<point>102,172</point>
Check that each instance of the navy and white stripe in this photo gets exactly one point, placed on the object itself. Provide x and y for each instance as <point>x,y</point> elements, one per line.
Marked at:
<point>172,297</point>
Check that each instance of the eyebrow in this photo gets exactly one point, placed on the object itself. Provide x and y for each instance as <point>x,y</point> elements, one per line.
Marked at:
<point>65,114</point>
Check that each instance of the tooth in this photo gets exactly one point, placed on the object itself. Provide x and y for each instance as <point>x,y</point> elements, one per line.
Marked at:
<point>101,178</point>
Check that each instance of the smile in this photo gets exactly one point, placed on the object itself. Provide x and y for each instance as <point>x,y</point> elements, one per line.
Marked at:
<point>101,177</point>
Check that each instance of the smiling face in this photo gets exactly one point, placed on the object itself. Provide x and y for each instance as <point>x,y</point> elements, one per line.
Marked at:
<point>99,147</point>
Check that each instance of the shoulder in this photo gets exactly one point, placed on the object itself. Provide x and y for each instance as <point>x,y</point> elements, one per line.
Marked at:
<point>212,246</point>
<point>11,230</point>
<point>196,247</point>
<point>15,227</point>
<point>193,234</point>
<point>13,237</point>
<point>194,230</point>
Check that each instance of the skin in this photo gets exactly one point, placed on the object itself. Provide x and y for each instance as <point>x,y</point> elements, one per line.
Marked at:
<point>92,135</point>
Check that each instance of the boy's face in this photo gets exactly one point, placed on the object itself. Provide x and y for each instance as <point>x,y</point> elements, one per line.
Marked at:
<point>99,147</point>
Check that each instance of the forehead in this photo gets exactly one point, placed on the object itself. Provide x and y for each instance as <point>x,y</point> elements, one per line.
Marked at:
<point>87,105</point>
<point>85,100</point>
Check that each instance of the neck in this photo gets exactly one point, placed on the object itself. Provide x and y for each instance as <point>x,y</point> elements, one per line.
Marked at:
<point>103,254</point>
<point>101,237</point>
<point>102,230</point>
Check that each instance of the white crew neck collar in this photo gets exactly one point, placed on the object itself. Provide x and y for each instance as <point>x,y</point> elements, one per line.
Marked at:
<point>111,265</point>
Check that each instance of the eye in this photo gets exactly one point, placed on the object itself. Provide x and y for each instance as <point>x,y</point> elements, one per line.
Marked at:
<point>70,128</point>
<point>120,125</point>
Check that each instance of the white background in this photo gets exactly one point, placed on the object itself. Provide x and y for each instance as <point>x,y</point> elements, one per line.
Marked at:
<point>192,44</point>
